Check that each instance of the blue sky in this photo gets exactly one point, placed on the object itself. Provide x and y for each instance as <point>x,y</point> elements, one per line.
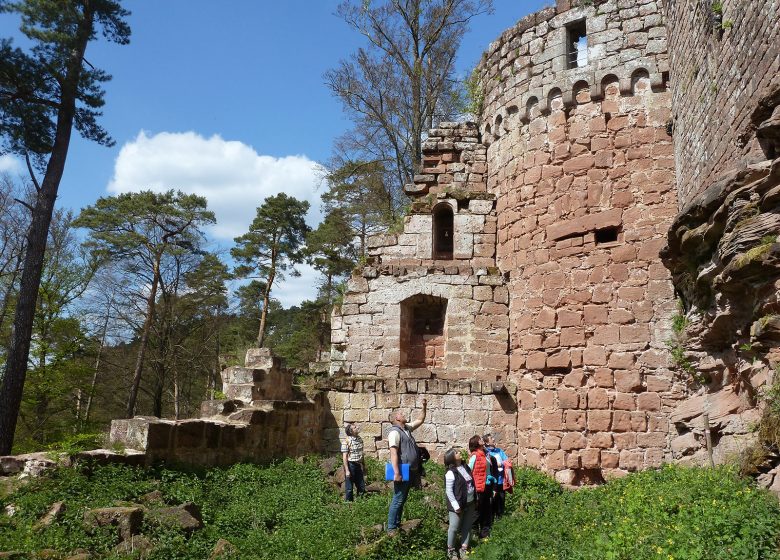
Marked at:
<point>227,99</point>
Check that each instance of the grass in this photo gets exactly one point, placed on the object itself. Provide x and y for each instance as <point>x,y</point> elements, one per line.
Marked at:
<point>289,510</point>
<point>674,513</point>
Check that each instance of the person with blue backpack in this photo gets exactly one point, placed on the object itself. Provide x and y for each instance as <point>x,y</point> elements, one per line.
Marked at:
<point>403,451</point>
<point>497,459</point>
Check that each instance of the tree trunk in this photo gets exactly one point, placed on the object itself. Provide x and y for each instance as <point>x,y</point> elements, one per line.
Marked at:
<point>266,301</point>
<point>93,383</point>
<point>139,363</point>
<point>37,236</point>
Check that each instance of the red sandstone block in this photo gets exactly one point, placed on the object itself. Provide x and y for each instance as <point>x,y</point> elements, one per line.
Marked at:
<point>651,439</point>
<point>552,421</point>
<point>617,123</point>
<point>606,335</point>
<point>595,314</point>
<point>536,360</point>
<point>561,359</point>
<point>622,199</point>
<point>545,318</point>
<point>572,336</point>
<point>638,421</point>
<point>573,460</point>
<point>634,333</point>
<point>574,379</point>
<point>556,460</point>
<point>618,272</point>
<point>621,316</point>
<point>590,458</point>
<point>626,440</point>
<point>603,378</point>
<point>624,401</point>
<point>573,440</point>
<point>545,399</point>
<point>598,399</point>
<point>654,458</point>
<point>621,360</point>
<point>576,357</point>
<point>526,400</point>
<point>628,381</point>
<point>568,398</point>
<point>625,253</point>
<point>594,356</point>
<point>601,440</point>
<point>657,383</point>
<point>551,442</point>
<point>531,341</point>
<point>631,293</point>
<point>575,420</point>
<point>621,421</point>
<point>569,318</point>
<point>610,459</point>
<point>631,460</point>
<point>649,401</point>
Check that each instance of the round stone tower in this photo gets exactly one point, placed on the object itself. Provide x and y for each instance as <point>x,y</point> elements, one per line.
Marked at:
<point>575,111</point>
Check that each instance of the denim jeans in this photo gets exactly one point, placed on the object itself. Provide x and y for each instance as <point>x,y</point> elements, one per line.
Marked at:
<point>400,493</point>
<point>356,479</point>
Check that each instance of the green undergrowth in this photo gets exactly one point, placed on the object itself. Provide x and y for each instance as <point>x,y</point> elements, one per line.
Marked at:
<point>289,510</point>
<point>674,513</point>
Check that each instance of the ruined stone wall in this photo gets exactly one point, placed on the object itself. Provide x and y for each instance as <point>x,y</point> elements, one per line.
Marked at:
<point>723,63</point>
<point>264,417</point>
<point>370,331</point>
<point>457,410</point>
<point>582,168</point>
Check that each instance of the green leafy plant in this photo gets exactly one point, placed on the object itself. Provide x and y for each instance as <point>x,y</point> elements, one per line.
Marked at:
<point>475,94</point>
<point>670,513</point>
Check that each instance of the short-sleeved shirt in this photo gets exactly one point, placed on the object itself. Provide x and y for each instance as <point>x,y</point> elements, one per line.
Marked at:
<point>394,437</point>
<point>353,446</point>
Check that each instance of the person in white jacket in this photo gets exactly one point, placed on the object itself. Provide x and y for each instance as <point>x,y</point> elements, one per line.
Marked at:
<point>461,503</point>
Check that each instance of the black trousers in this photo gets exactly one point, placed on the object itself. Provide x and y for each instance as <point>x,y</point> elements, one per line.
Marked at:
<point>499,500</point>
<point>485,510</point>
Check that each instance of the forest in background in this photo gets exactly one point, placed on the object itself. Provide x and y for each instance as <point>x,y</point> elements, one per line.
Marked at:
<point>125,307</point>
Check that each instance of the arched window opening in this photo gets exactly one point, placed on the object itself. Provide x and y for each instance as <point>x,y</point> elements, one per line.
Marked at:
<point>443,232</point>
<point>422,331</point>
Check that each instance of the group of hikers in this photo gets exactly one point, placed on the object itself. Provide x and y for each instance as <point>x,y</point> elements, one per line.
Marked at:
<point>475,489</point>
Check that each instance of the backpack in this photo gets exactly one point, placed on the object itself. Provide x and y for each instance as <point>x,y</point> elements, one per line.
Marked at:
<point>509,476</point>
<point>493,466</point>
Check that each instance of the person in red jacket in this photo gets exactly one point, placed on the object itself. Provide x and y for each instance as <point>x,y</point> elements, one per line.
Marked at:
<point>480,469</point>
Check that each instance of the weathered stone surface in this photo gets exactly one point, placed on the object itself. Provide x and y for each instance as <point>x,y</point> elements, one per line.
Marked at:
<point>51,516</point>
<point>127,520</point>
<point>185,517</point>
<point>137,545</point>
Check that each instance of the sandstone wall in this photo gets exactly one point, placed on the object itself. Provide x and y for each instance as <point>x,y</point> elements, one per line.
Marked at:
<point>366,333</point>
<point>457,410</point>
<point>263,418</point>
<point>722,67</point>
<point>583,172</point>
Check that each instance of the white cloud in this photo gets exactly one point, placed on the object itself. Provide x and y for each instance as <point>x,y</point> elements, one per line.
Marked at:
<point>9,164</point>
<point>233,177</point>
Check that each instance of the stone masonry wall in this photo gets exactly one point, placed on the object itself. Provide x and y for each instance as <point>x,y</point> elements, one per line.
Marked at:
<point>583,177</point>
<point>722,67</point>
<point>457,410</point>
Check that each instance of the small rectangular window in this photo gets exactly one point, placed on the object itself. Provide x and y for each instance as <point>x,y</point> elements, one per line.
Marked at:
<point>576,44</point>
<point>606,235</point>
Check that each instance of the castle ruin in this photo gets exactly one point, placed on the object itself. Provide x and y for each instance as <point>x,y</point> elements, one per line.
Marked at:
<point>591,272</point>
